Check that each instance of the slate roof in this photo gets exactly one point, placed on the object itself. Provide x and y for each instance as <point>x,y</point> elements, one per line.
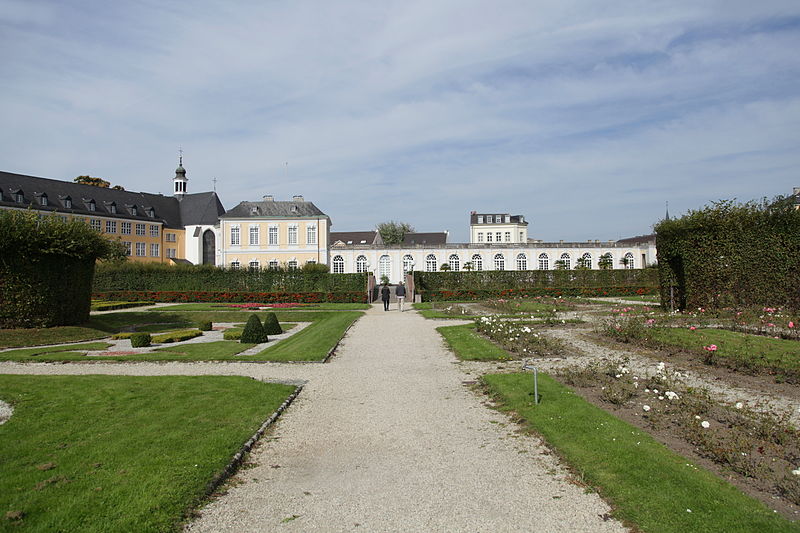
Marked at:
<point>639,239</point>
<point>166,209</point>
<point>278,209</point>
<point>356,237</point>
<point>514,219</point>
<point>432,239</point>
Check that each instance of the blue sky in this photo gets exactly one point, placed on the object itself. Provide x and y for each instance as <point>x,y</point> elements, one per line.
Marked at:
<point>585,117</point>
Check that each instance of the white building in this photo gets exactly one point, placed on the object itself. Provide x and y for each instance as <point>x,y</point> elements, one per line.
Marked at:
<point>487,228</point>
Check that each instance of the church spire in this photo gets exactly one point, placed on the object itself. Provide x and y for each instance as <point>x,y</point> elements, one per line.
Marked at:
<point>179,181</point>
<point>666,217</point>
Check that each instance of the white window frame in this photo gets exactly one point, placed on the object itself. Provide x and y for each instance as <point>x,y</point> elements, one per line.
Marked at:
<point>273,264</point>
<point>272,236</point>
<point>153,230</point>
<point>95,224</point>
<point>522,261</point>
<point>254,264</point>
<point>499,262</point>
<point>566,261</point>
<point>111,226</point>
<point>430,263</point>
<point>292,264</point>
<point>361,264</point>
<point>338,264</point>
<point>477,262</point>
<point>629,256</point>
<point>498,237</point>
<point>408,263</point>
<point>508,236</point>
<point>236,236</point>
<point>170,237</point>
<point>125,228</point>
<point>480,219</point>
<point>154,250</point>
<point>254,234</point>
<point>454,262</point>
<point>586,260</point>
<point>235,264</point>
<point>311,234</point>
<point>128,248</point>
<point>489,236</point>
<point>141,249</point>
<point>171,252</point>
<point>140,229</point>
<point>291,234</point>
<point>544,261</point>
<point>480,236</point>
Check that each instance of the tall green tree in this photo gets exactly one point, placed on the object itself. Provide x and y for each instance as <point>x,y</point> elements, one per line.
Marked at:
<point>393,232</point>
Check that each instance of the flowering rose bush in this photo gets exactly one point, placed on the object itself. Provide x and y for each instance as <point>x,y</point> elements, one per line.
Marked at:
<point>518,338</point>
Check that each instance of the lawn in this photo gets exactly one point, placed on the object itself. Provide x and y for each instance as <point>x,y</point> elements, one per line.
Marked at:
<point>468,345</point>
<point>647,484</point>
<point>314,342</point>
<point>114,453</point>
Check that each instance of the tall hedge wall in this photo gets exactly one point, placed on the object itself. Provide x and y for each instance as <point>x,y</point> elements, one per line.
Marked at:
<point>46,268</point>
<point>730,254</point>
<point>510,283</point>
<point>143,277</point>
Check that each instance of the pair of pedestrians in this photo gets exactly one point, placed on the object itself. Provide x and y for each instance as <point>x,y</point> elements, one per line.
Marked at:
<point>399,291</point>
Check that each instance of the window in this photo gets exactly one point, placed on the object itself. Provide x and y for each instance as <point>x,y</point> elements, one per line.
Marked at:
<point>134,211</point>
<point>477,262</point>
<point>235,264</point>
<point>125,228</point>
<point>171,252</point>
<point>292,264</point>
<point>508,236</point>
<point>139,229</point>
<point>385,266</point>
<point>43,199</point>
<point>273,235</point>
<point>544,262</point>
<point>311,234</point>
<point>170,237</point>
<point>521,236</point>
<point>605,261</point>
<point>361,264</point>
<point>154,251</point>
<point>95,224</point>
<point>480,236</point>
<point>522,262</point>
<point>566,261</point>
<point>585,261</point>
<point>92,205</point>
<point>338,265</point>
<point>498,237</point>
<point>454,263</point>
<point>112,208</point>
<point>141,251</point>
<point>628,260</point>
<point>508,219</point>
<point>111,226</point>
<point>273,265</point>
<point>489,219</point>
<point>235,236</point>
<point>489,237</point>
<point>150,212</point>
<point>408,263</point>
<point>499,262</point>
<point>67,201</point>
<point>430,263</point>
<point>127,246</point>
<point>254,237</point>
<point>292,235</point>
<point>253,265</point>
<point>480,219</point>
<point>153,230</point>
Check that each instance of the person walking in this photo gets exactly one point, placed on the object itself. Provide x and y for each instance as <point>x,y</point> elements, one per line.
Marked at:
<point>385,297</point>
<point>400,292</point>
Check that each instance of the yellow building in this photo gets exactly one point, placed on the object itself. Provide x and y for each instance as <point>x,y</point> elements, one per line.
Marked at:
<point>272,234</point>
<point>151,226</point>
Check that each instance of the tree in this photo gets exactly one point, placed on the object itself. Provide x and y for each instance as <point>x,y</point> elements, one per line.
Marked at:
<point>605,262</point>
<point>393,232</point>
<point>445,267</point>
<point>95,182</point>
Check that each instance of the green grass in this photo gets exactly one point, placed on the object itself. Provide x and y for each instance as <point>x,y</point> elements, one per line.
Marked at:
<point>207,351</point>
<point>52,353</point>
<point>468,345</point>
<point>98,305</point>
<point>646,483</point>
<point>115,453</point>
<point>762,351</point>
<point>222,307</point>
<point>314,342</point>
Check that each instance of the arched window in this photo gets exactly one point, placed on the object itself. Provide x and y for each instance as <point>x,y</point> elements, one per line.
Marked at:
<point>499,262</point>
<point>385,267</point>
<point>430,263</point>
<point>522,262</point>
<point>585,261</point>
<point>544,262</point>
<point>606,261</point>
<point>628,261</point>
<point>566,261</point>
<point>408,263</point>
<point>338,264</point>
<point>361,264</point>
<point>477,262</point>
<point>455,264</point>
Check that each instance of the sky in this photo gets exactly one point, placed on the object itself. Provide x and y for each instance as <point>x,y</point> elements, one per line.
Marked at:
<point>586,117</point>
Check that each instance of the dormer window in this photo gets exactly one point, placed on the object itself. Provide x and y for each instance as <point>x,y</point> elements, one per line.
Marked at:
<point>43,199</point>
<point>480,219</point>
<point>254,210</point>
<point>67,202</point>
<point>134,211</point>
<point>19,197</point>
<point>92,205</point>
<point>294,209</point>
<point>112,208</point>
<point>150,212</point>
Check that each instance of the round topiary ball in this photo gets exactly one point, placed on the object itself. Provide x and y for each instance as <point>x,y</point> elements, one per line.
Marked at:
<point>140,340</point>
<point>271,325</point>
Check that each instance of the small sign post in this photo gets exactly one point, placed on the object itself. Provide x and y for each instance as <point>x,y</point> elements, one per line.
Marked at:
<point>526,366</point>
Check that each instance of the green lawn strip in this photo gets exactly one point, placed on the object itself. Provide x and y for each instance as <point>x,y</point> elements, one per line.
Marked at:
<point>312,343</point>
<point>779,353</point>
<point>646,483</point>
<point>223,307</point>
<point>52,353</point>
<point>14,338</point>
<point>468,345</point>
<point>207,351</point>
<point>115,453</point>
<point>98,305</point>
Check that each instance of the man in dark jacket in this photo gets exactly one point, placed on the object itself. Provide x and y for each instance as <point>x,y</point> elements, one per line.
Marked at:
<point>400,292</point>
<point>385,297</point>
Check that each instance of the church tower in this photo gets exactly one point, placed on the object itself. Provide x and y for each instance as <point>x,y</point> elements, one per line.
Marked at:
<point>179,181</point>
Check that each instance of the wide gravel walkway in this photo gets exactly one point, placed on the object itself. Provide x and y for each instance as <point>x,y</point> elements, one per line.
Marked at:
<point>388,438</point>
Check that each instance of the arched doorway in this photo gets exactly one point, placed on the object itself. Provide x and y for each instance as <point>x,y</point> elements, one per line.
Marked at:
<point>209,247</point>
<point>385,267</point>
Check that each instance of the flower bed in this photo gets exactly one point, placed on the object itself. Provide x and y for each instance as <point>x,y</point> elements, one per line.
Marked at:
<point>486,294</point>
<point>518,338</point>
<point>282,298</point>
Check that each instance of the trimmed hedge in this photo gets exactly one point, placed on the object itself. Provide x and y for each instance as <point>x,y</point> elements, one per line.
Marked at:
<point>586,292</point>
<point>177,336</point>
<point>732,255</point>
<point>46,269</point>
<point>436,286</point>
<point>231,296</point>
<point>156,277</point>
<point>205,325</point>
<point>253,332</point>
<point>271,324</point>
<point>140,340</point>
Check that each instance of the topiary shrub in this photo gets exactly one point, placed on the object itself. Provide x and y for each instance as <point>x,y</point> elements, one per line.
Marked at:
<point>140,340</point>
<point>271,325</point>
<point>253,332</point>
<point>205,326</point>
<point>233,334</point>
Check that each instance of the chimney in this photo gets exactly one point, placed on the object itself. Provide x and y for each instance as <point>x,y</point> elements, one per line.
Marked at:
<point>298,198</point>
<point>268,198</point>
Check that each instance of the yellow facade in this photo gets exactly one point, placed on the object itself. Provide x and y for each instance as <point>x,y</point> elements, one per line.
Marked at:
<point>265,242</point>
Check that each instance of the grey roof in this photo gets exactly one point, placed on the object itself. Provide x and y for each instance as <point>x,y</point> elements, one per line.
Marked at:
<point>166,209</point>
<point>294,209</point>
<point>200,208</point>
<point>356,237</point>
<point>513,219</point>
<point>639,239</point>
<point>426,238</point>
